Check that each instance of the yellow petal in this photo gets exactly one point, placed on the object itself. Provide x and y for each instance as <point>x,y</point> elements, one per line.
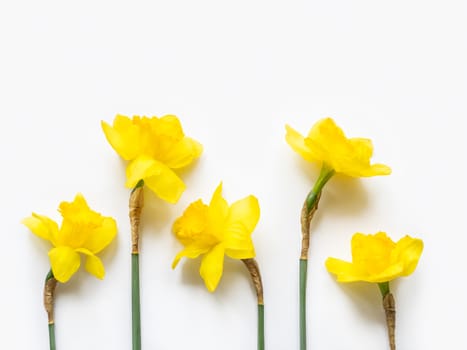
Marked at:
<point>101,236</point>
<point>192,251</point>
<point>243,217</point>
<point>141,168</point>
<point>94,266</point>
<point>212,266</point>
<point>391,272</point>
<point>297,142</point>
<point>158,178</point>
<point>42,226</point>
<point>327,142</point>
<point>362,148</point>
<point>217,213</point>
<point>124,137</point>
<point>245,212</point>
<point>376,170</point>
<point>246,252</point>
<point>326,131</point>
<point>408,251</point>
<point>166,185</point>
<point>65,262</point>
<point>344,271</point>
<point>182,153</point>
<point>168,125</point>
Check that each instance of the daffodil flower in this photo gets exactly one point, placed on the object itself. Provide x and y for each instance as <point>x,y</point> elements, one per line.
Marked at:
<point>220,229</point>
<point>327,145</point>
<point>216,230</point>
<point>83,231</point>
<point>378,259</point>
<point>155,147</point>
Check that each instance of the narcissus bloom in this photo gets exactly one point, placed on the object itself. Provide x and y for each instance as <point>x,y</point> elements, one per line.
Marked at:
<point>327,144</point>
<point>155,147</point>
<point>82,231</point>
<point>214,230</point>
<point>376,258</point>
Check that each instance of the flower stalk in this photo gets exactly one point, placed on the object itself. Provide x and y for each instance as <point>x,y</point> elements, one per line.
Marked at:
<point>136,205</point>
<point>255,274</point>
<point>49,301</point>
<point>308,211</point>
<point>389,305</point>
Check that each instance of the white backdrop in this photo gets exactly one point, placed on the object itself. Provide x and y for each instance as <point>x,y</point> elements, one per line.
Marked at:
<point>235,72</point>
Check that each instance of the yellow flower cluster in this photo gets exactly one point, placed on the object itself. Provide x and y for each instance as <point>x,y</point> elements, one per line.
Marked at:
<point>155,147</point>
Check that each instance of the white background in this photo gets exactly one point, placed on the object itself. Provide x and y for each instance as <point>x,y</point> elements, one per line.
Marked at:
<point>235,72</point>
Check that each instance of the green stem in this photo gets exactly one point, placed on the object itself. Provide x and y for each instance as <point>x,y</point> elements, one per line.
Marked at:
<point>324,176</point>
<point>139,184</point>
<point>311,203</point>
<point>303,278</point>
<point>135,302</point>
<point>50,275</point>
<point>52,336</point>
<point>260,327</point>
<point>384,288</point>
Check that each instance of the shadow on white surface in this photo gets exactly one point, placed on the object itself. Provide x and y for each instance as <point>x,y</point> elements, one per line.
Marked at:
<point>342,195</point>
<point>233,271</point>
<point>366,299</point>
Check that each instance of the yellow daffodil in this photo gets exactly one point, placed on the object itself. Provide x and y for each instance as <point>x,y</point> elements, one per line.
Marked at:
<point>376,258</point>
<point>214,230</point>
<point>327,144</point>
<point>82,231</point>
<point>155,147</point>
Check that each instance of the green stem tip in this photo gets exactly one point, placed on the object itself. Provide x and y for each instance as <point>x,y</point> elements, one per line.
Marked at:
<point>324,176</point>
<point>384,288</point>
<point>50,275</point>
<point>138,185</point>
